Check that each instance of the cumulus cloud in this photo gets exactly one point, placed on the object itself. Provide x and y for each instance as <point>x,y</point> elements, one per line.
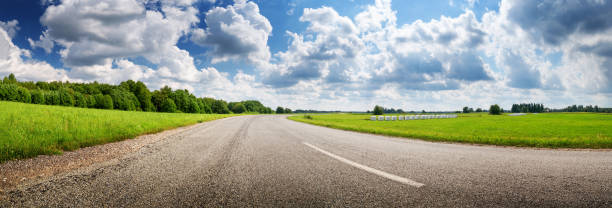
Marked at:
<point>352,62</point>
<point>96,33</point>
<point>43,42</point>
<point>238,31</point>
<point>371,51</point>
<point>15,60</point>
<point>553,21</point>
<point>10,27</point>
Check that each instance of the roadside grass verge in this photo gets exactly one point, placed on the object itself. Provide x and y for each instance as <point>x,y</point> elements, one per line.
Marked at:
<point>545,130</point>
<point>28,130</point>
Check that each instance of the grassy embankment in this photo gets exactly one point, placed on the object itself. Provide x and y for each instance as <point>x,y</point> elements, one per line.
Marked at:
<point>551,130</point>
<point>28,130</point>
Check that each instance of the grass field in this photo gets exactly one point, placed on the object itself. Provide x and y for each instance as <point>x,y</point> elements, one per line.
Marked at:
<point>551,130</point>
<point>28,130</point>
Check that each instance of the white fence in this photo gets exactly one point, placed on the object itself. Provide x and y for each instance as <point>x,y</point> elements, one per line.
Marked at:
<point>411,117</point>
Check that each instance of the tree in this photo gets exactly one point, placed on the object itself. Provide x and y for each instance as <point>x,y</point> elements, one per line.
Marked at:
<point>288,110</point>
<point>192,106</point>
<point>378,110</point>
<point>107,102</point>
<point>91,101</point>
<point>168,106</point>
<point>65,97</point>
<point>52,98</point>
<point>124,100</point>
<point>495,110</point>
<point>280,110</point>
<point>79,100</point>
<point>23,95</point>
<point>220,107</point>
<point>239,108</point>
<point>38,97</point>
<point>10,79</point>
<point>478,110</point>
<point>103,101</point>
<point>204,107</point>
<point>466,109</point>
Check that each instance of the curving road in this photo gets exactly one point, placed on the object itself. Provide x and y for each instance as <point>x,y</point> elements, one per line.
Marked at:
<point>269,161</point>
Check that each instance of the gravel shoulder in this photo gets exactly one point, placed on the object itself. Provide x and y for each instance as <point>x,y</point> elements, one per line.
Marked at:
<point>22,173</point>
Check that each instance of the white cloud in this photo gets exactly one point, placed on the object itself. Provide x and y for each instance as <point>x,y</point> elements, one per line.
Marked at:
<point>43,42</point>
<point>15,60</point>
<point>11,27</point>
<point>93,34</point>
<point>238,31</point>
<point>338,62</point>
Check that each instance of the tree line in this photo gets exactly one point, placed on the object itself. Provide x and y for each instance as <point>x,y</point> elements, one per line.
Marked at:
<point>128,95</point>
<point>527,108</point>
<point>581,108</point>
<point>281,110</point>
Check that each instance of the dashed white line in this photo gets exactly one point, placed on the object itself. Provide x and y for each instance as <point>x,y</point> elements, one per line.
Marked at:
<point>368,169</point>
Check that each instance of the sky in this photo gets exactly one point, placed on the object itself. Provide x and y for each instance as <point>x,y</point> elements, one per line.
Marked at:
<point>327,55</point>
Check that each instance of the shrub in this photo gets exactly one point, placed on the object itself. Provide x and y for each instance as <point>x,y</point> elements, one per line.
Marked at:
<point>308,117</point>
<point>495,110</point>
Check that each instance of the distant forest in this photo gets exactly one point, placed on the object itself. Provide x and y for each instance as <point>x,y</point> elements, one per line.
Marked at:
<point>128,95</point>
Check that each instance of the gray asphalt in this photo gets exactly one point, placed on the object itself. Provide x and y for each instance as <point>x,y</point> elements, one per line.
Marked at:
<point>262,161</point>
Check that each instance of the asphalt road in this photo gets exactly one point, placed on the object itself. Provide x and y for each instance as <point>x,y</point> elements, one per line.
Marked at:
<point>269,161</point>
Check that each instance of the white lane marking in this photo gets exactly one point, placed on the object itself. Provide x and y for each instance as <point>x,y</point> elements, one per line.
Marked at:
<point>368,169</point>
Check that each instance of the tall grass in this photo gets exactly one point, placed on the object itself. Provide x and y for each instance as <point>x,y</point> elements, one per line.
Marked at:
<point>28,130</point>
<point>551,130</point>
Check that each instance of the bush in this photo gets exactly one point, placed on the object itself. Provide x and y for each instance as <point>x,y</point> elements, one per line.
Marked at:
<point>495,110</point>
<point>378,110</point>
<point>168,106</point>
<point>308,117</point>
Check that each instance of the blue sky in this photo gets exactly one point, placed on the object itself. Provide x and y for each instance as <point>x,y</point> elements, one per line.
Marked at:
<point>328,55</point>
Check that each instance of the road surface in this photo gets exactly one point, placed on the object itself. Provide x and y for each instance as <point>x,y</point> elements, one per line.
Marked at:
<point>269,161</point>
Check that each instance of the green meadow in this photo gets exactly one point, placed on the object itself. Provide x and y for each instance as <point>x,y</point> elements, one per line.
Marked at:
<point>28,130</point>
<point>549,130</point>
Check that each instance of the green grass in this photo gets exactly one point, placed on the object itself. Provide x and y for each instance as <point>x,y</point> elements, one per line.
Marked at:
<point>550,130</point>
<point>28,130</point>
